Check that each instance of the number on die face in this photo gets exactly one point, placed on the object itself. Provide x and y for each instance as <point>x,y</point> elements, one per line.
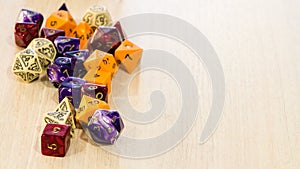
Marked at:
<point>83,32</point>
<point>99,77</point>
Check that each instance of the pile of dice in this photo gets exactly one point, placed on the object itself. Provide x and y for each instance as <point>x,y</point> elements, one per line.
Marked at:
<point>80,60</point>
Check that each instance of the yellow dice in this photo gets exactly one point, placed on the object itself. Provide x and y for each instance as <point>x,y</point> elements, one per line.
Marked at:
<point>128,54</point>
<point>93,61</point>
<point>97,15</point>
<point>83,32</point>
<point>99,77</point>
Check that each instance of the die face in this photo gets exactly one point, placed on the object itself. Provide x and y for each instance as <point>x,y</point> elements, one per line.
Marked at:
<point>95,91</point>
<point>93,61</point>
<point>116,119</point>
<point>99,77</point>
<point>97,15</point>
<point>55,140</point>
<point>28,16</point>
<point>120,29</point>
<point>109,64</point>
<point>65,44</point>
<point>61,20</point>
<point>77,59</point>
<point>58,117</point>
<point>83,32</point>
<point>51,34</point>
<point>59,70</point>
<point>106,39</point>
<point>25,33</point>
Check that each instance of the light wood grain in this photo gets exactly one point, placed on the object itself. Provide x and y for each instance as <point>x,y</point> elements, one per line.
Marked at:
<point>258,45</point>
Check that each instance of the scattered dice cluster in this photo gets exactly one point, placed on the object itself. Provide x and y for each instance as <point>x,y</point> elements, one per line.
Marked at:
<point>80,60</point>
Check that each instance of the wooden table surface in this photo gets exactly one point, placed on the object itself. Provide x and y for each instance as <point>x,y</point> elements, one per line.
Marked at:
<point>257,43</point>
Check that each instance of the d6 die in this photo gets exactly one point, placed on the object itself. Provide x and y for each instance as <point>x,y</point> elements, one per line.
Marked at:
<point>95,90</point>
<point>51,34</point>
<point>59,70</point>
<point>65,44</point>
<point>55,140</point>
<point>97,15</point>
<point>83,32</point>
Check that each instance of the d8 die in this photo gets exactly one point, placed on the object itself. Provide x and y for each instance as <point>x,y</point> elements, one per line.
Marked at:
<point>83,32</point>
<point>71,88</point>
<point>99,77</point>
<point>106,39</point>
<point>128,54</point>
<point>94,60</point>
<point>45,49</point>
<point>55,140</point>
<point>51,34</point>
<point>59,70</point>
<point>65,44</point>
<point>105,126</point>
<point>27,65</point>
<point>61,19</point>
<point>27,27</point>
<point>77,59</point>
<point>97,15</point>
<point>95,90</point>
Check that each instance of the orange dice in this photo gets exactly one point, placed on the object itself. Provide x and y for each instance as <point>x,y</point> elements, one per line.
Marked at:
<point>128,54</point>
<point>61,19</point>
<point>99,77</point>
<point>83,32</point>
<point>93,61</point>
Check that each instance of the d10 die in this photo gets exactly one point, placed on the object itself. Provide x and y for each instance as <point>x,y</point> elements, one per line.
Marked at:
<point>71,88</point>
<point>83,32</point>
<point>51,34</point>
<point>106,39</point>
<point>45,49</point>
<point>27,65</point>
<point>128,54</point>
<point>55,140</point>
<point>99,77</point>
<point>77,59</point>
<point>87,108</point>
<point>105,126</point>
<point>59,70</point>
<point>94,60</point>
<point>65,44</point>
<point>97,15</point>
<point>95,90</point>
<point>61,19</point>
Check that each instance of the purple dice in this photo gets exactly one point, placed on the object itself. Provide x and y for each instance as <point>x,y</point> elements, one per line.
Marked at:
<point>78,58</point>
<point>105,126</point>
<point>51,34</point>
<point>71,88</point>
<point>95,90</point>
<point>59,70</point>
<point>106,39</point>
<point>65,44</point>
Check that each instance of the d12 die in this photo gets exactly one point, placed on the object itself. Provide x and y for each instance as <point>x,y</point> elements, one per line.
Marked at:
<point>59,70</point>
<point>83,32</point>
<point>99,77</point>
<point>128,54</point>
<point>27,65</point>
<point>95,90</point>
<point>97,15</point>
<point>55,140</point>
<point>61,19</point>
<point>71,88</point>
<point>105,126</point>
<point>77,59</point>
<point>94,60</point>
<point>65,44</point>
<point>106,39</point>
<point>51,34</point>
<point>45,49</point>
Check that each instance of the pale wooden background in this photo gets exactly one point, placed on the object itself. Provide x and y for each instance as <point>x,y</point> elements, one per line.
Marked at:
<point>258,45</point>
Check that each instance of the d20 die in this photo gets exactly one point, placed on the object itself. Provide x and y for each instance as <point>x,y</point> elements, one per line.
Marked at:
<point>99,77</point>
<point>55,140</point>
<point>129,55</point>
<point>97,15</point>
<point>51,34</point>
<point>27,65</point>
<point>59,70</point>
<point>95,91</point>
<point>105,126</point>
<point>83,32</point>
<point>65,44</point>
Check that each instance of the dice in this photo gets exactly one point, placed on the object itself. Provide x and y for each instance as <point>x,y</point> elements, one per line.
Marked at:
<point>120,29</point>
<point>95,90</point>
<point>77,59</point>
<point>128,54</point>
<point>51,34</point>
<point>83,32</point>
<point>97,15</point>
<point>106,39</point>
<point>55,140</point>
<point>45,50</point>
<point>94,60</point>
<point>65,44</point>
<point>59,70</point>
<point>27,65</point>
<point>71,88</point>
<point>61,19</point>
<point>105,126</point>
<point>99,77</point>
<point>27,27</point>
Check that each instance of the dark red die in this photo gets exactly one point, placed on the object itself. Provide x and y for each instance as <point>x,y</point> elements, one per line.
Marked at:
<point>120,29</point>
<point>55,140</point>
<point>51,34</point>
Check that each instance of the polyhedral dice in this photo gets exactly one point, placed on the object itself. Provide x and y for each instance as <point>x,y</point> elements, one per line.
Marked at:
<point>87,108</point>
<point>55,140</point>
<point>120,29</point>
<point>94,60</point>
<point>83,32</point>
<point>105,126</point>
<point>97,15</point>
<point>27,27</point>
<point>106,39</point>
<point>95,90</point>
<point>65,44</point>
<point>59,70</point>
<point>51,34</point>
<point>99,77</point>
<point>77,59</point>
<point>45,49</point>
<point>71,88</point>
<point>128,54</point>
<point>61,19</point>
<point>27,65</point>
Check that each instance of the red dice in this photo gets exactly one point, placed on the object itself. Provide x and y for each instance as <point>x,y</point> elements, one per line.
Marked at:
<point>55,140</point>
